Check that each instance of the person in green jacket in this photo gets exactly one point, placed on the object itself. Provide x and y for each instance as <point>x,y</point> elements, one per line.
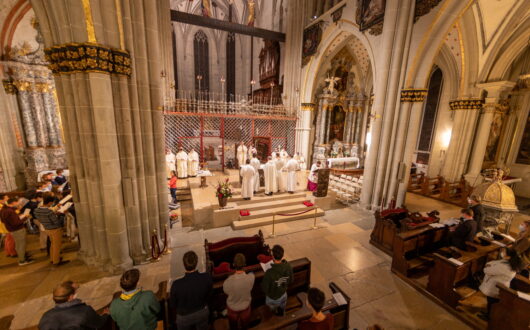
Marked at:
<point>135,308</point>
<point>276,281</point>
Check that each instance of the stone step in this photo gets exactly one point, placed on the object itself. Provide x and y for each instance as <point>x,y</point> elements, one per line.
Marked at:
<point>268,204</point>
<point>288,209</point>
<point>260,197</point>
<point>267,220</point>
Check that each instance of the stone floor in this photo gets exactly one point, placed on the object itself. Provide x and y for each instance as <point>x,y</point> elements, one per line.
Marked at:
<point>339,251</point>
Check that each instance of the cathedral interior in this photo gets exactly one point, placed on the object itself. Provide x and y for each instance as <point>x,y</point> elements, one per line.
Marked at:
<point>142,119</point>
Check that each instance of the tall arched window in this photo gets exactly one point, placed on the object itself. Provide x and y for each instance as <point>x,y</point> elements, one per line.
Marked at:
<point>230,65</point>
<point>429,116</point>
<point>202,68</point>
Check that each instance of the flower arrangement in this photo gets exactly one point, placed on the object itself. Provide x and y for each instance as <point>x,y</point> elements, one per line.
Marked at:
<point>224,189</point>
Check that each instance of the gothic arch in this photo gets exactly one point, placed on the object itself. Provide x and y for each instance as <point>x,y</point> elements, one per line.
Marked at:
<point>201,58</point>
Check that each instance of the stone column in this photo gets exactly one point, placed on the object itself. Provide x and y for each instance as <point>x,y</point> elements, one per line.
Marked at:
<point>303,129</point>
<point>296,11</point>
<point>494,89</point>
<point>466,112</point>
<point>367,109</point>
<point>395,44</point>
<point>111,110</point>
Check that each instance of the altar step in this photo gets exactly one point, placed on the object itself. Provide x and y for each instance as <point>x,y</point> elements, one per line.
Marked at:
<point>265,220</point>
<point>260,197</point>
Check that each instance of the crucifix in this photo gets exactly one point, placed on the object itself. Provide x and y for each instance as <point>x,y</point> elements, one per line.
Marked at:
<point>331,83</point>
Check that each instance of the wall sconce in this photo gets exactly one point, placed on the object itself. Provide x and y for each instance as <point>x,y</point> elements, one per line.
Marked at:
<point>446,139</point>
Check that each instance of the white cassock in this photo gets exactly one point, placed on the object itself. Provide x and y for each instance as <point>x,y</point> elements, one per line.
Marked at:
<point>313,174</point>
<point>193,163</point>
<point>283,155</point>
<point>302,164</point>
<point>271,182</point>
<point>170,163</point>
<point>254,162</point>
<point>247,186</point>
<point>291,167</point>
<point>241,155</point>
<point>282,176</point>
<point>251,152</point>
<point>182,164</point>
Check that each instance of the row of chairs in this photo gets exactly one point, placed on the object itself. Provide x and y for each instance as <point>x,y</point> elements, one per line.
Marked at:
<point>346,187</point>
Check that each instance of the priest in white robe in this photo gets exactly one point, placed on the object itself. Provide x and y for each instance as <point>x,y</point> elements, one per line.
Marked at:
<point>284,155</point>
<point>170,162</point>
<point>291,167</point>
<point>270,173</point>
<point>281,174</point>
<point>241,154</point>
<point>251,151</point>
<point>247,173</point>
<point>193,163</point>
<point>182,164</point>
<point>255,163</point>
<point>301,161</point>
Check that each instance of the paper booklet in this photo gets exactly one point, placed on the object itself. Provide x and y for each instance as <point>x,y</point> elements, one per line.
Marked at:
<point>456,262</point>
<point>64,207</point>
<point>66,199</point>
<point>26,212</point>
<point>266,266</point>
<point>339,299</point>
<point>61,187</point>
<point>523,295</point>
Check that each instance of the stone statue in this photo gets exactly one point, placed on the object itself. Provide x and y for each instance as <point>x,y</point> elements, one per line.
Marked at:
<point>331,83</point>
<point>354,150</point>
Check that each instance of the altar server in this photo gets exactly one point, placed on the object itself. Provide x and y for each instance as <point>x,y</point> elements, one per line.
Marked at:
<point>312,180</point>
<point>170,162</point>
<point>271,182</point>
<point>256,164</point>
<point>247,173</point>
<point>281,174</point>
<point>193,163</point>
<point>182,164</point>
<point>251,151</point>
<point>241,154</point>
<point>284,155</point>
<point>291,167</point>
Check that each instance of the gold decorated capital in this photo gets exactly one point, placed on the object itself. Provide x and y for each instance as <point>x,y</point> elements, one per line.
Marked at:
<point>9,86</point>
<point>307,106</point>
<point>466,104</point>
<point>88,57</point>
<point>413,95</point>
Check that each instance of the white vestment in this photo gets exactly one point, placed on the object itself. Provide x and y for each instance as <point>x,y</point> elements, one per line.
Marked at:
<point>271,182</point>
<point>193,163</point>
<point>251,152</point>
<point>301,163</point>
<point>247,186</point>
<point>282,175</point>
<point>291,167</point>
<point>283,155</point>
<point>182,164</point>
<point>313,174</point>
<point>241,155</point>
<point>255,164</point>
<point>170,163</point>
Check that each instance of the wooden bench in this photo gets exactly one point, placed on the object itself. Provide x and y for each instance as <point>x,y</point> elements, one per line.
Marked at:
<point>268,320</point>
<point>456,192</point>
<point>449,277</point>
<point>412,249</point>
<point>512,312</point>
<point>415,181</point>
<point>432,186</point>
<point>225,250</point>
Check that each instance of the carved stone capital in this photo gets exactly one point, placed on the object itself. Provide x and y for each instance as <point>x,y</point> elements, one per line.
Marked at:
<point>466,104</point>
<point>413,95</point>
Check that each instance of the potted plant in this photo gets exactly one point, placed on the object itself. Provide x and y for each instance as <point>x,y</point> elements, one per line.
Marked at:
<point>224,191</point>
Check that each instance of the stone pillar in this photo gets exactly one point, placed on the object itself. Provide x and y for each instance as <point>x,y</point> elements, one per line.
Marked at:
<point>391,64</point>
<point>367,109</point>
<point>494,89</point>
<point>296,11</point>
<point>303,129</point>
<point>111,109</point>
<point>466,112</point>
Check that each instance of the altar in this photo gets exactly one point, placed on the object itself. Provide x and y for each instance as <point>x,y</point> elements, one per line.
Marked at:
<point>342,161</point>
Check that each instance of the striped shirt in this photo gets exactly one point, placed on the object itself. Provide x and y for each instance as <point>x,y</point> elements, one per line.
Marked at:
<point>47,218</point>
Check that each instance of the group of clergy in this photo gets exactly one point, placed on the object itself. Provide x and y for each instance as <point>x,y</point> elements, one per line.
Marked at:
<point>185,164</point>
<point>279,174</point>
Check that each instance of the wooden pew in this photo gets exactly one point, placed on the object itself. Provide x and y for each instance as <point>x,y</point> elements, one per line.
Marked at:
<point>301,281</point>
<point>432,186</point>
<point>448,278</point>
<point>412,249</point>
<point>511,312</point>
<point>456,192</point>
<point>270,321</point>
<point>415,181</point>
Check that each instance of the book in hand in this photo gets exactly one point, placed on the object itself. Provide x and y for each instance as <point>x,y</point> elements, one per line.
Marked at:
<point>66,199</point>
<point>266,266</point>
<point>26,213</point>
<point>65,207</point>
<point>61,187</point>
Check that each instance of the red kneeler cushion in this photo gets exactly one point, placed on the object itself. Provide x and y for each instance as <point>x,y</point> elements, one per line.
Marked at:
<point>307,203</point>
<point>224,267</point>
<point>264,259</point>
<point>244,213</point>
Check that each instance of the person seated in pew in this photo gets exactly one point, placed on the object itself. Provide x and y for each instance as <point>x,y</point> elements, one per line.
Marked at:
<point>189,295</point>
<point>500,271</point>
<point>276,281</point>
<point>70,312</point>
<point>59,179</point>
<point>134,308</point>
<point>522,245</point>
<point>478,211</point>
<point>465,231</point>
<point>238,288</point>
<point>319,320</point>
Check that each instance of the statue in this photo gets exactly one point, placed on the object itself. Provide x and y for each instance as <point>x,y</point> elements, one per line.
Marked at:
<point>354,150</point>
<point>331,83</point>
<point>251,13</point>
